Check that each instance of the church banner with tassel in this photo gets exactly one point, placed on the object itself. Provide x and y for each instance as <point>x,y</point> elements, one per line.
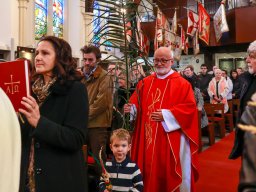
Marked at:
<point>192,23</point>
<point>204,24</point>
<point>186,46</point>
<point>220,22</point>
<point>196,47</point>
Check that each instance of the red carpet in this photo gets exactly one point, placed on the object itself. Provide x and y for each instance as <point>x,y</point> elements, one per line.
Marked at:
<point>216,172</point>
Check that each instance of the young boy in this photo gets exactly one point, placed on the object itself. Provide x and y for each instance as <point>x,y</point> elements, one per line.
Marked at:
<point>124,174</point>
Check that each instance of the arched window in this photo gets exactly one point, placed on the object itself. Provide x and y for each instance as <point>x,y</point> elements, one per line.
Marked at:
<point>100,19</point>
<point>58,18</point>
<point>96,23</point>
<point>49,18</point>
<point>40,18</point>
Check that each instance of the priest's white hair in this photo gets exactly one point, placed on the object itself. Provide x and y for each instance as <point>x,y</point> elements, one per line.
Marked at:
<point>252,47</point>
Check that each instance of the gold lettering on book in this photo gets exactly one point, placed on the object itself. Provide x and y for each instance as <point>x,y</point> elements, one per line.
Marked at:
<point>12,86</point>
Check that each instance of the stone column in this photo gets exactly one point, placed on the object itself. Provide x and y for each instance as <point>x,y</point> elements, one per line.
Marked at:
<point>50,18</point>
<point>23,5</point>
<point>88,26</point>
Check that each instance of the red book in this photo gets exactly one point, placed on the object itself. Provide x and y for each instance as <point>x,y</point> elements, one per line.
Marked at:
<point>14,80</point>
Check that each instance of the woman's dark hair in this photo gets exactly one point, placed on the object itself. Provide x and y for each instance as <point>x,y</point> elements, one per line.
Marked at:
<point>233,71</point>
<point>91,49</point>
<point>65,64</point>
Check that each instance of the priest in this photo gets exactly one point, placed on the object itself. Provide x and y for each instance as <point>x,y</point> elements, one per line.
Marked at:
<point>10,146</point>
<point>165,138</point>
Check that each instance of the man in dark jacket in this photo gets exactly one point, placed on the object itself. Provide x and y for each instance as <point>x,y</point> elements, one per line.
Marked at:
<point>249,87</point>
<point>190,74</point>
<point>204,79</point>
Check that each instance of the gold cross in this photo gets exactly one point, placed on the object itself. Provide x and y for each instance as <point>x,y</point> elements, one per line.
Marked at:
<point>12,87</point>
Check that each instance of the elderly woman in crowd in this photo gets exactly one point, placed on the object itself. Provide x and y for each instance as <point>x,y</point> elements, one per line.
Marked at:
<point>218,90</point>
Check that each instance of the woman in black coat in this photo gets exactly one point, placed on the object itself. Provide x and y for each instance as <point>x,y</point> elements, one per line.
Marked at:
<point>237,84</point>
<point>55,123</point>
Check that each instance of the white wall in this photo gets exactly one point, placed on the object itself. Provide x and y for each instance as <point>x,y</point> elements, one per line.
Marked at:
<point>9,25</point>
<point>195,61</point>
<point>219,56</point>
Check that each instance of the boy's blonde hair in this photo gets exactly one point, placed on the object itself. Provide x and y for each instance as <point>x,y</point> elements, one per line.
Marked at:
<point>121,134</point>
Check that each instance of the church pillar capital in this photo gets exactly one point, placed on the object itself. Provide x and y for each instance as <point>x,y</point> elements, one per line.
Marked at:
<point>23,3</point>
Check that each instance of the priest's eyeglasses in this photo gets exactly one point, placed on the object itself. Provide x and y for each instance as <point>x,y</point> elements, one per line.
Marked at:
<point>163,61</point>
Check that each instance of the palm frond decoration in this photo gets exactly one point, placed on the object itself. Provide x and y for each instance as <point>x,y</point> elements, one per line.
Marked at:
<point>116,27</point>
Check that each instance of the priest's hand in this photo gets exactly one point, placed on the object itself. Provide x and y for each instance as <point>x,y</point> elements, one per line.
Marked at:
<point>127,108</point>
<point>157,115</point>
<point>32,110</point>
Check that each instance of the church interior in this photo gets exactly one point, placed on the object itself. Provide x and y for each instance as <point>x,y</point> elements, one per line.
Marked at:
<point>210,33</point>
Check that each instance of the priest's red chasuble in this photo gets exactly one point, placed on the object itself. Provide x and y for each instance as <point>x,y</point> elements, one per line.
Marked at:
<point>155,151</point>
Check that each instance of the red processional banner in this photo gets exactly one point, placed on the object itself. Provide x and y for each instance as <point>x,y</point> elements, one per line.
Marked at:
<point>174,23</point>
<point>192,23</point>
<point>182,38</point>
<point>186,46</point>
<point>204,24</point>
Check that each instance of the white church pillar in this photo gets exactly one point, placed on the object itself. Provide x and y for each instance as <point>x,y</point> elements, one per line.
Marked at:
<point>22,16</point>
<point>88,26</point>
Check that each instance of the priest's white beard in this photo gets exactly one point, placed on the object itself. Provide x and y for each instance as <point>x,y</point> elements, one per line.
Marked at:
<point>162,71</point>
<point>251,71</point>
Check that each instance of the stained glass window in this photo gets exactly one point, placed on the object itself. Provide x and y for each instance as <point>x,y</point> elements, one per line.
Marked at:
<point>107,44</point>
<point>40,18</point>
<point>58,18</point>
<point>96,23</point>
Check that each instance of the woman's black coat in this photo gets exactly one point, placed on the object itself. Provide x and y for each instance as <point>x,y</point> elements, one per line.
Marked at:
<point>58,139</point>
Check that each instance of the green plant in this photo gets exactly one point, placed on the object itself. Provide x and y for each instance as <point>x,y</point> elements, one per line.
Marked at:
<point>115,26</point>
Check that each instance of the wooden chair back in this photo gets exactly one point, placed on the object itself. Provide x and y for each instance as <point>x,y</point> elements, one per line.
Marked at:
<point>236,106</point>
<point>229,116</point>
<point>210,127</point>
<point>209,111</point>
<point>219,109</point>
<point>236,103</point>
<point>230,106</point>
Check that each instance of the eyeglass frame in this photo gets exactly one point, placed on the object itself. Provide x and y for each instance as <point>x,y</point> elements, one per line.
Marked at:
<point>163,61</point>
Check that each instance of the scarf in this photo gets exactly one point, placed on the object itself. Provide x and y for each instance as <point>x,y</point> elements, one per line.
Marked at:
<point>42,91</point>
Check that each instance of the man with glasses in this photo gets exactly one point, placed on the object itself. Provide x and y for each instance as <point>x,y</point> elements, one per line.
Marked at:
<point>100,89</point>
<point>190,74</point>
<point>203,80</point>
<point>165,139</point>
